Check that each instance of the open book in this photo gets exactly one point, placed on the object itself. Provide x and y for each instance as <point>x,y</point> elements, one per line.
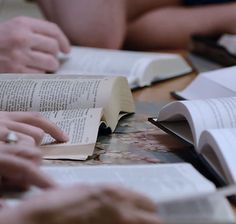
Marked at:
<point>140,68</point>
<point>159,182</point>
<point>209,125</point>
<point>180,191</point>
<point>77,104</point>
<point>218,83</point>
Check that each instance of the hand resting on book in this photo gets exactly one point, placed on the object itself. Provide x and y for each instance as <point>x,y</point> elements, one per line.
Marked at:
<point>84,204</point>
<point>76,204</point>
<point>19,170</point>
<point>29,127</point>
<point>19,167</point>
<point>30,45</point>
<point>19,161</point>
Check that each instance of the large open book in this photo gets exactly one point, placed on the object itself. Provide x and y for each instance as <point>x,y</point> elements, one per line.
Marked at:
<point>140,68</point>
<point>209,125</point>
<point>180,191</point>
<point>160,182</point>
<point>218,83</point>
<point>77,104</point>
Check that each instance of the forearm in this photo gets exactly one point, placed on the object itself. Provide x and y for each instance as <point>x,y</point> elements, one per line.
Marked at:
<point>173,27</point>
<point>99,23</point>
<point>12,216</point>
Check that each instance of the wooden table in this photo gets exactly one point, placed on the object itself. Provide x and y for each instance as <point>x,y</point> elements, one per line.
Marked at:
<point>161,91</point>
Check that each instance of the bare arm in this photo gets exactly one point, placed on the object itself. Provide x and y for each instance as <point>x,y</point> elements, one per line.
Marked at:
<point>99,23</point>
<point>29,126</point>
<point>148,24</point>
<point>173,27</point>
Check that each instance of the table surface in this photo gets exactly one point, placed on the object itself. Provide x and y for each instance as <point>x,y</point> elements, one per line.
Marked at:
<point>161,91</point>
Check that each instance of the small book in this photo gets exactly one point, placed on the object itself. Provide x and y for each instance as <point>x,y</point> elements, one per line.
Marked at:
<point>140,68</point>
<point>219,49</point>
<point>213,84</point>
<point>210,126</point>
<point>79,105</point>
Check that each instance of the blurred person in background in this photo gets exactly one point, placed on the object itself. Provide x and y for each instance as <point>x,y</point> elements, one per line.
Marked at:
<point>29,45</point>
<point>139,24</point>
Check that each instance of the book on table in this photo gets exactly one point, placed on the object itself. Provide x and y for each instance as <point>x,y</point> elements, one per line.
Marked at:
<point>210,126</point>
<point>217,48</point>
<point>217,83</point>
<point>180,191</point>
<point>140,68</point>
<point>79,105</point>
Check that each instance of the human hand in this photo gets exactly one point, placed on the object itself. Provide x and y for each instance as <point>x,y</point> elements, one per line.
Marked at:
<point>17,172</point>
<point>88,204</point>
<point>29,45</point>
<point>29,127</point>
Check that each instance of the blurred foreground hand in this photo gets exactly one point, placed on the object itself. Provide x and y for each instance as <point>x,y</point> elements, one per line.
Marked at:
<point>83,204</point>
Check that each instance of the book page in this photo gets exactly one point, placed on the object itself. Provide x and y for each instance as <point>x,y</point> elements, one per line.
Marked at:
<point>160,182</point>
<point>218,83</point>
<point>217,145</point>
<point>228,41</point>
<point>81,125</point>
<point>202,114</point>
<point>54,94</point>
<point>140,68</point>
<point>201,208</point>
